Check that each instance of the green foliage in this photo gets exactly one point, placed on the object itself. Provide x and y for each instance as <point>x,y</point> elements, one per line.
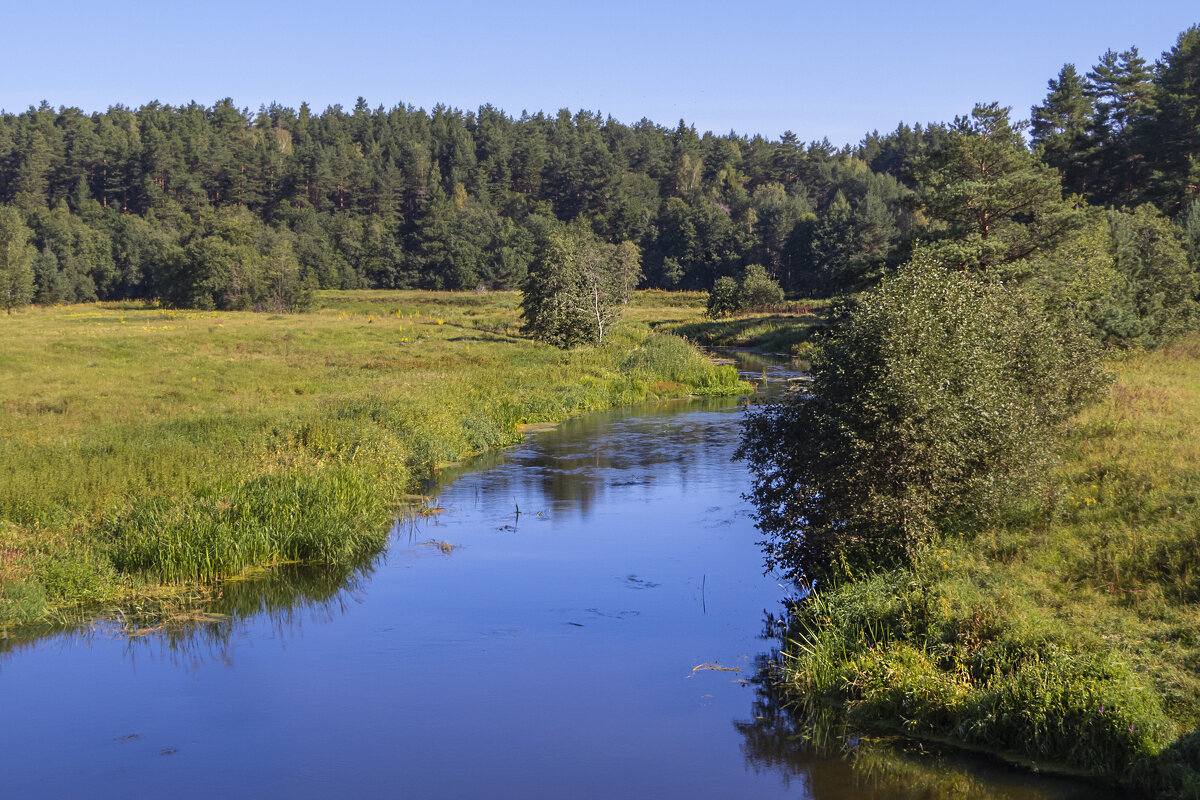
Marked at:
<point>754,290</point>
<point>724,300</point>
<point>330,515</point>
<point>1170,140</point>
<point>576,287</point>
<point>128,201</point>
<point>1065,633</point>
<point>1122,89</point>
<point>16,261</point>
<point>1059,127</point>
<point>997,204</point>
<point>934,397</point>
<point>1148,251</point>
<point>757,290</point>
<point>918,649</point>
<point>669,358</point>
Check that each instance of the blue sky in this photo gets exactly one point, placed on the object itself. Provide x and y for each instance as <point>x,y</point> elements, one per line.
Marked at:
<point>836,69</point>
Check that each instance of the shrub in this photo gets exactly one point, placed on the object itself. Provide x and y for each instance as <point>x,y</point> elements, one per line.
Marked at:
<point>723,299</point>
<point>934,396</point>
<point>755,289</point>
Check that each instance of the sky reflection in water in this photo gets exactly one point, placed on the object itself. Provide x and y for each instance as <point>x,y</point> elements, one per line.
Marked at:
<point>548,653</point>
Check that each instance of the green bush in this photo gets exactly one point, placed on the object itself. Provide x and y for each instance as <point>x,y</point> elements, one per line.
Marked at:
<point>757,290</point>
<point>754,289</point>
<point>934,397</point>
<point>723,300</point>
<point>895,647</point>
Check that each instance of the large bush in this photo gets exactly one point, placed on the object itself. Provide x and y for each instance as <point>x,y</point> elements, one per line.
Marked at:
<point>934,396</point>
<point>755,289</point>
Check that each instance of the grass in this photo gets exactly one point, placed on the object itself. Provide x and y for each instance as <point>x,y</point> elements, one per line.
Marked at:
<point>1067,637</point>
<point>789,332</point>
<point>143,447</point>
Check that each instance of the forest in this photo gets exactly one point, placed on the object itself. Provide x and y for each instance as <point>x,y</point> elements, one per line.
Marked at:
<point>983,491</point>
<point>220,207</point>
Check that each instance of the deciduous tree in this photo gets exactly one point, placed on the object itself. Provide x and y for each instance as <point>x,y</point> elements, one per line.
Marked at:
<point>16,260</point>
<point>576,287</point>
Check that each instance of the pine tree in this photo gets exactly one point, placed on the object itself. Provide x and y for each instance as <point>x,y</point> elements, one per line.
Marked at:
<point>1170,142</point>
<point>1122,88</point>
<point>996,203</point>
<point>1060,127</point>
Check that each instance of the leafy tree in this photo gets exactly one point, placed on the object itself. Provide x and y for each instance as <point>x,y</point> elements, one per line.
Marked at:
<point>287,289</point>
<point>16,260</point>
<point>876,233</point>
<point>754,289</point>
<point>1163,286</point>
<point>724,299</point>
<point>1190,223</point>
<point>934,396</point>
<point>776,214</point>
<point>575,288</point>
<point>220,266</point>
<point>833,244</point>
<point>627,270</point>
<point>50,282</point>
<point>1078,278</point>
<point>757,290</point>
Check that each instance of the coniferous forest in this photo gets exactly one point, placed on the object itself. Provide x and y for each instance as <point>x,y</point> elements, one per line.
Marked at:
<point>220,207</point>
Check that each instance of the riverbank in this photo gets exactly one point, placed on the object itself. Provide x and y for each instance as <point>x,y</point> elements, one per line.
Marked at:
<point>785,332</point>
<point>1065,638</point>
<point>146,449</point>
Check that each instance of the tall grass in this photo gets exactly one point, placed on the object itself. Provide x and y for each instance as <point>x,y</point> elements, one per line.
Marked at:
<point>787,333</point>
<point>141,445</point>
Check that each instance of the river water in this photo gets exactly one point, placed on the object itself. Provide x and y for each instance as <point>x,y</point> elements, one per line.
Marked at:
<point>584,618</point>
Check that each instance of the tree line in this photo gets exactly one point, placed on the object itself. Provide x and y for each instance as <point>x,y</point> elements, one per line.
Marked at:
<point>220,207</point>
<point>132,203</point>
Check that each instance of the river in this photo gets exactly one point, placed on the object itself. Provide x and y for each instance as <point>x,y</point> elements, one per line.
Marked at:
<point>582,617</point>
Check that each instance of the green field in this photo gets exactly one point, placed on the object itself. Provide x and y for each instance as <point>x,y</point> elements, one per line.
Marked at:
<point>1067,637</point>
<point>787,333</point>
<point>143,448</point>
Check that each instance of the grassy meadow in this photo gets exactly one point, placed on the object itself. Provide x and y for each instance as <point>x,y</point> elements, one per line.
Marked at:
<point>143,447</point>
<point>786,331</point>
<point>1067,637</point>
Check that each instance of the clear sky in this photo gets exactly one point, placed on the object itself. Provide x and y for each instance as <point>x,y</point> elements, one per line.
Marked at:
<point>836,69</point>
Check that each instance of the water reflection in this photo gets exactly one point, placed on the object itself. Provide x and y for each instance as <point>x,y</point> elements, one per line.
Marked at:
<point>830,760</point>
<point>190,631</point>
<point>573,471</point>
<point>277,602</point>
<point>550,652</point>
